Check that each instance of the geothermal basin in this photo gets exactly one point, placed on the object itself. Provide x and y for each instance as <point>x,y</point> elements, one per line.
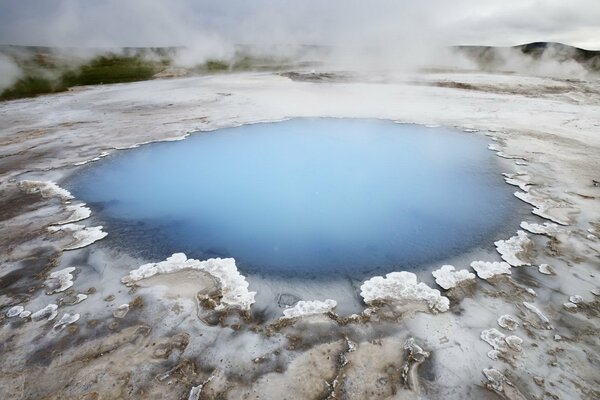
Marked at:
<point>304,197</point>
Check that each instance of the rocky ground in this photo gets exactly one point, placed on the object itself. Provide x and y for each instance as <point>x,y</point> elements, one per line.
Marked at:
<point>76,323</point>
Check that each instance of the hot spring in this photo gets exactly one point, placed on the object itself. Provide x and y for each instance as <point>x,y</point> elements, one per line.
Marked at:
<point>304,196</point>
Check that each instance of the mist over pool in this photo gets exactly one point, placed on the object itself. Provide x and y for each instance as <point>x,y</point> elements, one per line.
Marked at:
<point>304,196</point>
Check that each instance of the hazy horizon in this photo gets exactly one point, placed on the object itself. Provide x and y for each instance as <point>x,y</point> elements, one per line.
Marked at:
<point>216,26</point>
<point>393,35</point>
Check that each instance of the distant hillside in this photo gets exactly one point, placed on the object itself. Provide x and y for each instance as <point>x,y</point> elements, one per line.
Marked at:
<point>27,71</point>
<point>531,54</point>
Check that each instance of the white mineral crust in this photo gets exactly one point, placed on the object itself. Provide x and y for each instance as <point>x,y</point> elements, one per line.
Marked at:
<point>46,189</point>
<point>403,286</point>
<point>59,281</point>
<point>512,249</point>
<point>50,312</point>
<point>448,277</point>
<point>304,308</point>
<point>234,286</point>
<point>487,270</point>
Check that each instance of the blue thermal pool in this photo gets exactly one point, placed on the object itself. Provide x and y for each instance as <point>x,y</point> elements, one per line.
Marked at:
<point>305,195</point>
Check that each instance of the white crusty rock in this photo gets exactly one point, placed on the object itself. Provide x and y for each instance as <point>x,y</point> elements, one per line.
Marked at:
<point>494,338</point>
<point>14,311</point>
<point>448,277</point>
<point>304,308</point>
<point>576,299</point>
<point>538,313</point>
<point>495,379</point>
<point>545,269</point>
<point>50,311</point>
<point>513,250</point>
<point>84,236</point>
<point>520,180</point>
<point>24,314</point>
<point>573,302</point>
<point>78,212</point>
<point>499,342</point>
<point>487,270</point>
<point>45,188</point>
<point>59,281</point>
<point>508,322</point>
<point>541,206</point>
<point>547,228</point>
<point>79,298</point>
<point>121,311</point>
<point>514,342</point>
<point>196,391</point>
<point>234,286</point>
<point>66,319</point>
<point>403,287</point>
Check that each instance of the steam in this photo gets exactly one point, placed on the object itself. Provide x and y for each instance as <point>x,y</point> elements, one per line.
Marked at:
<point>375,35</point>
<point>9,72</point>
<point>551,63</point>
<point>552,60</point>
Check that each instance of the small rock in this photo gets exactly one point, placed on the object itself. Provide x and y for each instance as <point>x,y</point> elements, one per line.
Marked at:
<point>50,311</point>
<point>121,311</point>
<point>514,342</point>
<point>285,300</point>
<point>495,379</point>
<point>546,269</point>
<point>67,319</point>
<point>576,299</point>
<point>538,380</point>
<point>509,322</point>
<point>14,311</point>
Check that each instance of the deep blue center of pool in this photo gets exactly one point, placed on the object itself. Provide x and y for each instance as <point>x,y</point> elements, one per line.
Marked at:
<point>316,195</point>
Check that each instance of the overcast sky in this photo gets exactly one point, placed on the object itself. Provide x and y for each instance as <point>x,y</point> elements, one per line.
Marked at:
<point>98,23</point>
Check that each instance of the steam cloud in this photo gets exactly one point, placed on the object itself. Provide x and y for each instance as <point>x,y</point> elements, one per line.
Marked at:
<point>389,23</point>
<point>391,33</point>
<point>9,72</point>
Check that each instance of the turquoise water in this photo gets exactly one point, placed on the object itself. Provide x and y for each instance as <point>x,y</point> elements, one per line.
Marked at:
<point>305,195</point>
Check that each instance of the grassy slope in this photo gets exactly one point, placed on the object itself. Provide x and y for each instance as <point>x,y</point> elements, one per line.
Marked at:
<point>44,75</point>
<point>44,71</point>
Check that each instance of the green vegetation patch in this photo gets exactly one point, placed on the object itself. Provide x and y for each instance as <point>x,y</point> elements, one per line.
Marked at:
<point>50,77</point>
<point>30,86</point>
<point>111,69</point>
